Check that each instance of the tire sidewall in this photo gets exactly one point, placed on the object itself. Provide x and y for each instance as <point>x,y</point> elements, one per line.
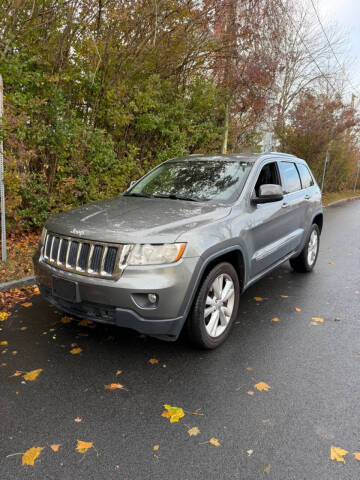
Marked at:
<point>198,311</point>
<point>308,266</point>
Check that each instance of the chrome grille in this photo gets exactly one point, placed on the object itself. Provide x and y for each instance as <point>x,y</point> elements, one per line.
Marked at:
<point>85,257</point>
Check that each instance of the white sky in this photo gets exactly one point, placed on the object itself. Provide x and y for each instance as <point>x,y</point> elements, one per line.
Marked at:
<point>346,14</point>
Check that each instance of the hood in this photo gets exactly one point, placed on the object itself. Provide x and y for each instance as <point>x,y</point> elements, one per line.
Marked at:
<point>135,220</point>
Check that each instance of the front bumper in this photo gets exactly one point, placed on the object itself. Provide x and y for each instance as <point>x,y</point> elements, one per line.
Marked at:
<point>121,302</point>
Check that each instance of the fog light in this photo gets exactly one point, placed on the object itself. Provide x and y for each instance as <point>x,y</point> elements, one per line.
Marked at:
<point>152,297</point>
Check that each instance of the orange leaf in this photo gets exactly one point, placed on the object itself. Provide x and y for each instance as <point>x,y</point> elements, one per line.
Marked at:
<point>215,442</point>
<point>75,351</point>
<point>16,374</point>
<point>250,392</point>
<point>153,361</point>
<point>66,319</point>
<point>55,447</point>
<point>114,386</point>
<point>118,372</point>
<point>298,309</point>
<point>258,299</point>
<point>77,419</point>
<point>26,304</point>
<point>83,447</point>
<point>31,455</point>
<point>357,455</point>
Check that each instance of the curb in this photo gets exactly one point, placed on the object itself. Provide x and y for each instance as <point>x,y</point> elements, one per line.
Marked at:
<point>22,282</point>
<point>343,200</point>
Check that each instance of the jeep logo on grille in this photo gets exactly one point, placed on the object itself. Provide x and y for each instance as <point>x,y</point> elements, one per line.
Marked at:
<point>80,233</point>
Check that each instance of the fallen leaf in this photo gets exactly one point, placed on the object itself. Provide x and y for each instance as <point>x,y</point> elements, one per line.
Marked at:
<point>4,343</point>
<point>298,309</point>
<point>173,413</point>
<point>23,328</point>
<point>4,316</point>
<point>156,448</point>
<point>153,361</point>
<point>249,369</point>
<point>114,386</point>
<point>337,319</point>
<point>26,304</point>
<point>250,452</point>
<point>77,419</point>
<point>331,262</point>
<point>338,454</point>
<point>14,352</point>
<point>31,455</point>
<point>262,386</point>
<point>31,376</point>
<point>83,447</point>
<point>250,392</point>
<point>314,323</point>
<point>86,323</point>
<point>75,351</point>
<point>215,442</point>
<point>318,319</point>
<point>55,447</point>
<point>275,319</point>
<point>66,319</point>
<point>16,374</point>
<point>258,299</point>
<point>284,296</point>
<point>193,431</point>
<point>267,468</point>
<point>118,372</point>
<point>357,455</point>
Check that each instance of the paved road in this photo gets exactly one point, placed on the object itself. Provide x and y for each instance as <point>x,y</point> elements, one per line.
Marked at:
<point>313,372</point>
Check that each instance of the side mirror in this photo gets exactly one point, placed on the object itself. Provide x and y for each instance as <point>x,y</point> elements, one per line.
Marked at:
<point>269,193</point>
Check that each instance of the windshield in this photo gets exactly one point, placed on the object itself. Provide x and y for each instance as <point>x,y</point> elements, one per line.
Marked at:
<point>194,180</point>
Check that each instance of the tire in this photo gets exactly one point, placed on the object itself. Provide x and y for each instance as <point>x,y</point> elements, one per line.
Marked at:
<point>207,332</point>
<point>305,262</point>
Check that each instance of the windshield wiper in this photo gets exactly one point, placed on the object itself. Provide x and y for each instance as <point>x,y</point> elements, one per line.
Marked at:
<point>146,195</point>
<point>176,197</point>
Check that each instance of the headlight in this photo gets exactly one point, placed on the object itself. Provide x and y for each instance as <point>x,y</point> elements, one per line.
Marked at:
<point>156,254</point>
<point>43,236</point>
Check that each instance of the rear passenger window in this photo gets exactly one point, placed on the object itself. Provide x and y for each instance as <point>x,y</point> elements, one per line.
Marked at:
<point>290,177</point>
<point>306,178</point>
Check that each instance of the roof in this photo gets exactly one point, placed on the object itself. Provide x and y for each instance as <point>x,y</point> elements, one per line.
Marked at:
<point>245,157</point>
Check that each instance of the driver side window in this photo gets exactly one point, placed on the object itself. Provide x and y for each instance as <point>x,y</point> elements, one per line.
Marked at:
<point>269,174</point>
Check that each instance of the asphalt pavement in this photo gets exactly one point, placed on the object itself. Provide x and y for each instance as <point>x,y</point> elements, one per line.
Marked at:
<point>311,367</point>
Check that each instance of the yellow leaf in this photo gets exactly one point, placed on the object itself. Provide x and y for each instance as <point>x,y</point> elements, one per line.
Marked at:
<point>357,455</point>
<point>193,431</point>
<point>156,448</point>
<point>4,316</point>
<point>75,351</point>
<point>331,262</point>
<point>338,454</point>
<point>298,309</point>
<point>318,319</point>
<point>275,319</point>
<point>31,455</point>
<point>258,299</point>
<point>215,442</point>
<point>267,468</point>
<point>4,343</point>
<point>250,392</point>
<point>284,296</point>
<point>118,372</point>
<point>31,376</point>
<point>153,361</point>
<point>26,304</point>
<point>262,386</point>
<point>83,447</point>
<point>173,413</point>
<point>114,386</point>
<point>66,320</point>
<point>55,447</point>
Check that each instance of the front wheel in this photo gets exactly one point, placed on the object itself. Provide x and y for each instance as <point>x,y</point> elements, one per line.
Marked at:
<point>305,262</point>
<point>215,307</point>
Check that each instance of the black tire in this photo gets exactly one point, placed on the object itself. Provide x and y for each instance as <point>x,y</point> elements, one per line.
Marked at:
<point>196,326</point>
<point>301,262</point>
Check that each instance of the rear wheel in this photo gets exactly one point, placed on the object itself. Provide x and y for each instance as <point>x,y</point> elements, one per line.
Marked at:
<point>215,307</point>
<point>305,262</point>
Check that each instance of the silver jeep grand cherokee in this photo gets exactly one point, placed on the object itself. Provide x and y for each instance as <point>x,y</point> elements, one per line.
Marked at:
<point>182,243</point>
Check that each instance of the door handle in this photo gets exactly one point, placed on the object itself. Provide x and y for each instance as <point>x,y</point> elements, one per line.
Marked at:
<point>284,205</point>
<point>307,197</point>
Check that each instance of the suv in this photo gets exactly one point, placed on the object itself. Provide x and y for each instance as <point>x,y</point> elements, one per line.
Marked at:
<point>182,243</point>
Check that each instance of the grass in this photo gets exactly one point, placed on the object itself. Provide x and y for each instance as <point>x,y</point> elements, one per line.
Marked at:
<point>21,248</point>
<point>330,197</point>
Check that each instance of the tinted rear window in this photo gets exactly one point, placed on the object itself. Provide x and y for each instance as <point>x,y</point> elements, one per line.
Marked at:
<point>306,178</point>
<point>290,177</point>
